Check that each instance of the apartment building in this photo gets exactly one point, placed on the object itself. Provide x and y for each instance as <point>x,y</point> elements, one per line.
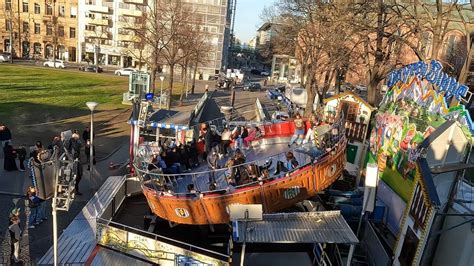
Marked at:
<point>106,34</point>
<point>38,28</point>
<point>106,31</point>
<point>216,18</point>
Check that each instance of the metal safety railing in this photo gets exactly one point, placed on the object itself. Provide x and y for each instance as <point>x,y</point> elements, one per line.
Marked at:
<point>334,139</point>
<point>104,224</point>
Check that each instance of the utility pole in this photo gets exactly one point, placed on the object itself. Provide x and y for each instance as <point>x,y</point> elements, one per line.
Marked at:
<point>19,28</point>
<point>11,39</point>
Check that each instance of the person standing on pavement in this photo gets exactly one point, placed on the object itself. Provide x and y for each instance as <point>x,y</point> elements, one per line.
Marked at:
<point>74,148</point>
<point>36,151</point>
<point>9,163</point>
<point>86,134</point>
<point>21,152</point>
<point>33,203</point>
<point>15,237</point>
<point>87,151</point>
<point>5,136</point>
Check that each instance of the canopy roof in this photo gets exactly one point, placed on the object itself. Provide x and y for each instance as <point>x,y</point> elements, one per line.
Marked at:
<point>306,227</point>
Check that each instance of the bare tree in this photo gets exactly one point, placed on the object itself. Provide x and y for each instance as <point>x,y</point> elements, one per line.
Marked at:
<point>177,23</point>
<point>149,31</point>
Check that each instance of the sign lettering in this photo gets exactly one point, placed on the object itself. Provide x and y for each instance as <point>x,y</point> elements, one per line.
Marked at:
<point>433,73</point>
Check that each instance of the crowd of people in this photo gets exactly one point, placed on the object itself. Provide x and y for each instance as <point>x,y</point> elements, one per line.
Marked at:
<point>211,146</point>
<point>38,153</point>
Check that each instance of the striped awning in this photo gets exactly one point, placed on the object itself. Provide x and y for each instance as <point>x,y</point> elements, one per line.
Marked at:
<point>161,125</point>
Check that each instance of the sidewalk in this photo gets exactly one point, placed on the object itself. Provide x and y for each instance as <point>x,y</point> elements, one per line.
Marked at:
<point>37,241</point>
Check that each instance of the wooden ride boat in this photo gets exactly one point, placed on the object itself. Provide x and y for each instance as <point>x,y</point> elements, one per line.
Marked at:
<point>314,174</point>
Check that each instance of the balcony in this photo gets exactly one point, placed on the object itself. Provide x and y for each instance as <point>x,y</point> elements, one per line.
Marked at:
<point>135,2</point>
<point>93,34</point>
<point>97,21</point>
<point>128,25</point>
<point>98,9</point>
<point>126,38</point>
<point>355,131</point>
<point>129,12</point>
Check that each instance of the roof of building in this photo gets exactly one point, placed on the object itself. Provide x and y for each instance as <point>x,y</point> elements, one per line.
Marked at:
<point>265,26</point>
<point>307,227</point>
<point>349,93</point>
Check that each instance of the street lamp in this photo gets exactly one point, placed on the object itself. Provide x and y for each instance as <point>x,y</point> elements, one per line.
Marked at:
<point>161,89</point>
<point>92,106</point>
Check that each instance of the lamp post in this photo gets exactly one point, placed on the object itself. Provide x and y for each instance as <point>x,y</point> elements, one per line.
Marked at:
<point>161,89</point>
<point>92,106</point>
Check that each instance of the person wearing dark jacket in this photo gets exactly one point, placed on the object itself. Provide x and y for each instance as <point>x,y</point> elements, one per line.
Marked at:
<point>86,134</point>
<point>9,163</point>
<point>21,152</point>
<point>208,140</point>
<point>5,136</point>
<point>87,151</point>
<point>36,151</point>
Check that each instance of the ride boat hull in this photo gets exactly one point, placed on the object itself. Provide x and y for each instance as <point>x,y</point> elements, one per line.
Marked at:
<point>274,195</point>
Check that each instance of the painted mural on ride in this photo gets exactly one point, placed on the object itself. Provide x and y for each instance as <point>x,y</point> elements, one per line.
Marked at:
<point>421,97</point>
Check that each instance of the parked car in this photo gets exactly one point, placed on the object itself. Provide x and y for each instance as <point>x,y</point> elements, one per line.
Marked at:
<point>125,71</point>
<point>92,68</point>
<point>264,73</point>
<point>54,63</point>
<point>252,86</point>
<point>5,57</point>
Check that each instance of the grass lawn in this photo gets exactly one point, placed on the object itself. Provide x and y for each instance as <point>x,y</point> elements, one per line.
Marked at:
<point>42,94</point>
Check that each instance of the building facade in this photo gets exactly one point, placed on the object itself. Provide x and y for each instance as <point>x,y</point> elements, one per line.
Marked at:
<point>39,28</point>
<point>106,31</point>
<point>216,18</point>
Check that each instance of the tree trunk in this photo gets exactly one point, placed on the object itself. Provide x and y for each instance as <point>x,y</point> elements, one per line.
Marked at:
<point>194,78</point>
<point>170,90</point>
<point>372,91</point>
<point>153,78</point>
<point>184,73</point>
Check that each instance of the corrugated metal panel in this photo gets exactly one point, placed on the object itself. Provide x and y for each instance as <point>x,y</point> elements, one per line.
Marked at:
<point>308,227</point>
<point>109,257</point>
<point>78,240</point>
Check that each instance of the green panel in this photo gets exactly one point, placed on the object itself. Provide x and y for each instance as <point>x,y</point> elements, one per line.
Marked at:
<point>351,153</point>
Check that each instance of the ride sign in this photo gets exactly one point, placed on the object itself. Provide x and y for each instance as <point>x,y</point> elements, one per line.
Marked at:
<point>433,73</point>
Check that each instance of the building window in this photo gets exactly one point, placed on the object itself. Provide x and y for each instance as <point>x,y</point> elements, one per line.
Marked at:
<point>49,10</point>
<point>7,24</point>
<point>49,30</point>
<point>8,4</point>
<point>37,28</point>
<point>73,12</point>
<point>72,32</point>
<point>25,26</point>
<point>61,31</point>
<point>89,27</point>
<point>61,11</point>
<point>25,5</point>
<point>37,8</point>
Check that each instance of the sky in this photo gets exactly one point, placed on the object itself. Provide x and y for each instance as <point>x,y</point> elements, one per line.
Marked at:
<point>247,17</point>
